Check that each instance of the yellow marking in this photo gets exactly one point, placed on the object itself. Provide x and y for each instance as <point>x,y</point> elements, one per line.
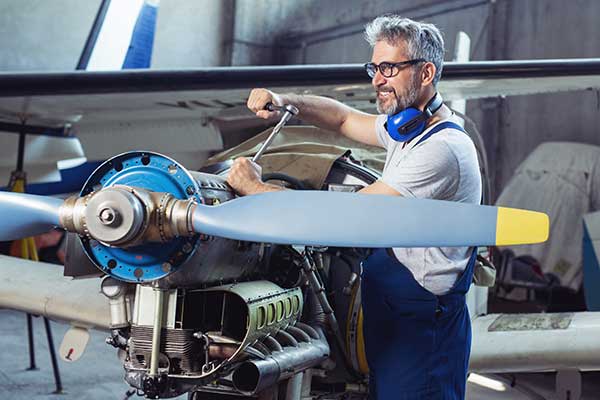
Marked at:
<point>360,344</point>
<point>514,226</point>
<point>28,249</point>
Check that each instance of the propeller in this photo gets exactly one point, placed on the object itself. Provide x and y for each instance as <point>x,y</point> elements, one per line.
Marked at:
<point>286,217</point>
<point>24,215</point>
<point>360,220</point>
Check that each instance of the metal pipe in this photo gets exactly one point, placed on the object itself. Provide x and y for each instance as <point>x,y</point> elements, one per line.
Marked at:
<point>156,331</point>
<point>21,148</point>
<point>293,390</point>
<point>272,344</point>
<point>93,35</point>
<point>306,384</point>
<point>316,314</point>
<point>262,348</point>
<point>253,376</point>
<point>285,338</point>
<point>298,334</point>
<point>32,366</point>
<point>55,370</point>
<point>308,329</point>
<point>319,291</point>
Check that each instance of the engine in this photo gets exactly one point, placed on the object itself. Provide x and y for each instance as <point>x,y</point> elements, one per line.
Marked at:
<point>201,314</point>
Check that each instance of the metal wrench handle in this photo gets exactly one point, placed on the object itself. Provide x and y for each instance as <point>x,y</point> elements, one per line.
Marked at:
<point>288,112</point>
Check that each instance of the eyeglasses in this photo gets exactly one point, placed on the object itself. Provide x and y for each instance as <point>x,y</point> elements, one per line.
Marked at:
<point>388,69</point>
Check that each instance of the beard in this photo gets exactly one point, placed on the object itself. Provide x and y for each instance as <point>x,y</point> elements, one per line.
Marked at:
<point>395,102</point>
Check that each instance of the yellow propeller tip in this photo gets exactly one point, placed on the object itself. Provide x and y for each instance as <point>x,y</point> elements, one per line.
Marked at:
<point>515,226</point>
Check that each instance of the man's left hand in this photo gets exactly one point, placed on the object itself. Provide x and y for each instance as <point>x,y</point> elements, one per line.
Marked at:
<point>245,176</point>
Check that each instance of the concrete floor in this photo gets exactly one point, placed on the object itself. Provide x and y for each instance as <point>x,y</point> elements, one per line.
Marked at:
<point>98,373</point>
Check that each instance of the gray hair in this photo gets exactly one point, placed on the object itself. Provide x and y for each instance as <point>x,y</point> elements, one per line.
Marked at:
<point>423,40</point>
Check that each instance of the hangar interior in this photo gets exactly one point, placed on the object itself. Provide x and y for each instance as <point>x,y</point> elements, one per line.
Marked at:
<point>192,34</point>
<point>541,148</point>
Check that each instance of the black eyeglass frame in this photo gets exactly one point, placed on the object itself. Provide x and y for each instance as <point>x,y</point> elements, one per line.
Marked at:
<point>372,68</point>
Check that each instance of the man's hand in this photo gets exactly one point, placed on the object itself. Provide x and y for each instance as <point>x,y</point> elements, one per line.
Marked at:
<point>258,100</point>
<point>245,176</point>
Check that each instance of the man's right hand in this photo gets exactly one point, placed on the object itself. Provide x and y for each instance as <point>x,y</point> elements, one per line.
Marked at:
<point>258,100</point>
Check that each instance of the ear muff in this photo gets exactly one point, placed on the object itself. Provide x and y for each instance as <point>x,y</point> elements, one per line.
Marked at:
<point>411,122</point>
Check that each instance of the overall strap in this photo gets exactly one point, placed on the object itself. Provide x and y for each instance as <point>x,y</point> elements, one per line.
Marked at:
<point>463,282</point>
<point>461,286</point>
<point>439,127</point>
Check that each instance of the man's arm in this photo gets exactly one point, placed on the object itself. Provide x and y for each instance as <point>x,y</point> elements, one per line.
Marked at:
<point>379,187</point>
<point>320,111</point>
<point>245,177</point>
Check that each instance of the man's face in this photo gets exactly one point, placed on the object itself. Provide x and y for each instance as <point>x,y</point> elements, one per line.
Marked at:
<point>396,93</point>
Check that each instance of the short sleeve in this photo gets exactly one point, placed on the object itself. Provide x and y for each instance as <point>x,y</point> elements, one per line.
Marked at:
<point>428,171</point>
<point>382,134</point>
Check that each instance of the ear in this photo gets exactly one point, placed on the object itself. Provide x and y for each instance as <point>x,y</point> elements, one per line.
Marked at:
<point>428,73</point>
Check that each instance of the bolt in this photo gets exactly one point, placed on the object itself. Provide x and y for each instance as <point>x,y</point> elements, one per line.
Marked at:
<point>107,216</point>
<point>187,248</point>
<point>190,190</point>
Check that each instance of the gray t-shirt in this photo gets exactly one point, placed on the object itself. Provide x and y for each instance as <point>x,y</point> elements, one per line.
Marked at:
<point>443,167</point>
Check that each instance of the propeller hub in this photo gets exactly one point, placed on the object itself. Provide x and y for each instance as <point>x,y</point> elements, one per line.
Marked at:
<point>114,215</point>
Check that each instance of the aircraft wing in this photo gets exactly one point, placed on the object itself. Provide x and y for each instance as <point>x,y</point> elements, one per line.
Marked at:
<point>41,289</point>
<point>84,97</point>
<point>112,112</point>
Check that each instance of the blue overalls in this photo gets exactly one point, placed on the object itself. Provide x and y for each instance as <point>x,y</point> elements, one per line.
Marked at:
<point>417,344</point>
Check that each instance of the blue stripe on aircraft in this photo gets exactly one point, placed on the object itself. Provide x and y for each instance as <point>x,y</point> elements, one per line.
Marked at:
<point>139,53</point>
<point>591,272</point>
<point>72,180</point>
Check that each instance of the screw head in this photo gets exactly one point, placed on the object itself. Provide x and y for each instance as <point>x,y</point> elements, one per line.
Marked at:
<point>166,267</point>
<point>109,217</point>
<point>187,248</point>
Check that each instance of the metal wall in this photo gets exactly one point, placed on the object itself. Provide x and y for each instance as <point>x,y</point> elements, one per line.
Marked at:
<point>193,33</point>
<point>42,35</point>
<point>541,29</point>
<point>317,32</point>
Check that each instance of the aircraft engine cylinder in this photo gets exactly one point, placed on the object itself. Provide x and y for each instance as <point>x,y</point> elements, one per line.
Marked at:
<point>253,376</point>
<point>205,330</point>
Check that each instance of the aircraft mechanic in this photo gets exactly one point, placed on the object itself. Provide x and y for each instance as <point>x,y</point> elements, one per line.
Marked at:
<point>417,328</point>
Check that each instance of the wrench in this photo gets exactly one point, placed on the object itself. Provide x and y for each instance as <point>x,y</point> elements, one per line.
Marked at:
<point>288,112</point>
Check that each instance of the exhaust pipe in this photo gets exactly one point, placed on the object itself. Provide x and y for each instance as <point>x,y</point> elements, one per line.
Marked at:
<point>253,376</point>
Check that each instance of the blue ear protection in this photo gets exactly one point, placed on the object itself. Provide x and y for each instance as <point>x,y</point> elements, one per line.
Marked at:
<point>410,122</point>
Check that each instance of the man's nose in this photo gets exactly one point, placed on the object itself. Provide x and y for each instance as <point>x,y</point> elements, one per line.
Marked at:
<point>378,79</point>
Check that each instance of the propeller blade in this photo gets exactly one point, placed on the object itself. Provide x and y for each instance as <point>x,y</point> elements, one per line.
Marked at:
<point>359,220</point>
<point>24,215</point>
